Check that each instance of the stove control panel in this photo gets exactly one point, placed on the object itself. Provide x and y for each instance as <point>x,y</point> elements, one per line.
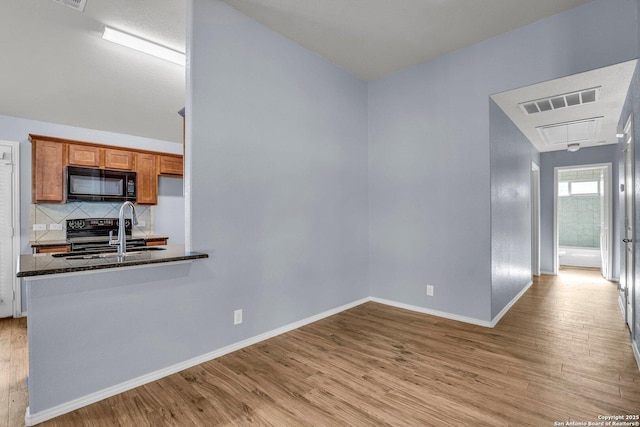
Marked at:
<point>87,227</point>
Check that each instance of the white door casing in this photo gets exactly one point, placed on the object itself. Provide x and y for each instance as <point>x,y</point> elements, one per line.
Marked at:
<point>9,228</point>
<point>627,281</point>
<point>606,215</point>
<point>606,209</point>
<point>535,219</point>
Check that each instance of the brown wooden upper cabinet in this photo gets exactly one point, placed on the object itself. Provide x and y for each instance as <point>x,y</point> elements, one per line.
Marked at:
<point>84,155</point>
<point>170,165</point>
<point>47,171</point>
<point>147,177</point>
<point>118,159</point>
<point>51,155</point>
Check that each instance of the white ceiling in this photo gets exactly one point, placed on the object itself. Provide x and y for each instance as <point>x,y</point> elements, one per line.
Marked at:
<point>374,38</point>
<point>613,82</point>
<point>56,68</point>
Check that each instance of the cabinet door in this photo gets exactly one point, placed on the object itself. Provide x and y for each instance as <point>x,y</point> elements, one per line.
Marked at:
<point>155,242</point>
<point>47,171</point>
<point>84,155</point>
<point>171,165</point>
<point>118,159</point>
<point>52,249</point>
<point>147,179</point>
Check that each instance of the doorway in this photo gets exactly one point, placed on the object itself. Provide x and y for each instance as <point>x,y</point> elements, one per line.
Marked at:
<point>627,282</point>
<point>10,304</point>
<point>582,217</point>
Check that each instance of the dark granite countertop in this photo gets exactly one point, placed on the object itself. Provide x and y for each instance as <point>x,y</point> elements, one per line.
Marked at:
<point>44,264</point>
<point>44,243</point>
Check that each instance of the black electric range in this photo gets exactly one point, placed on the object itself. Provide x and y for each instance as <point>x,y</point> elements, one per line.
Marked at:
<point>92,234</point>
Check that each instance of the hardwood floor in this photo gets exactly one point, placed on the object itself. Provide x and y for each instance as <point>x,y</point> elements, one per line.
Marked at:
<point>13,371</point>
<point>561,354</point>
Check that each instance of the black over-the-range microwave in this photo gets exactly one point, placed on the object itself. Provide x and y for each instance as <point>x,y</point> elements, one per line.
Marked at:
<point>100,185</point>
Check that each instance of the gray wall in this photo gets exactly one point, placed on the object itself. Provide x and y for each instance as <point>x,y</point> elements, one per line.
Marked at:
<point>511,157</point>
<point>586,156</point>
<point>429,152</point>
<point>278,140</point>
<point>632,106</point>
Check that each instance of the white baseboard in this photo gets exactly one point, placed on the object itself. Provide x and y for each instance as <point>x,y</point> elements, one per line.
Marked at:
<point>507,307</point>
<point>636,352</point>
<point>431,312</point>
<point>39,417</point>
<point>548,273</point>
<point>459,318</point>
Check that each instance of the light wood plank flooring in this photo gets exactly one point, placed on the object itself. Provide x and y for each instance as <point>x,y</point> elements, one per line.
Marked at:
<point>561,354</point>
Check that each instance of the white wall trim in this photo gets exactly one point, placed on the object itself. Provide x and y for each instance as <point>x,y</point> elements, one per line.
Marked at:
<point>431,312</point>
<point>636,352</point>
<point>39,417</point>
<point>507,307</point>
<point>15,223</point>
<point>548,273</point>
<point>609,202</point>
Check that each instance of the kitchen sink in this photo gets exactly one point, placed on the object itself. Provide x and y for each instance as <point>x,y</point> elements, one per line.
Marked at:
<point>104,253</point>
<point>115,254</point>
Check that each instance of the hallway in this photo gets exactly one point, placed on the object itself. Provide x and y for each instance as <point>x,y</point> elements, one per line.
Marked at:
<point>561,354</point>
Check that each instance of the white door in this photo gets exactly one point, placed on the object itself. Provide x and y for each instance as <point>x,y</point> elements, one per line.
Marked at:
<point>627,284</point>
<point>7,256</point>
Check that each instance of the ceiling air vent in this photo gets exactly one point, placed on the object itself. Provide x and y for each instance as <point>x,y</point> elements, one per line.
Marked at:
<point>74,4</point>
<point>556,102</point>
<point>578,131</point>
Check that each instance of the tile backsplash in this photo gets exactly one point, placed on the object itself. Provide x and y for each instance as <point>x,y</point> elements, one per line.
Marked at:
<point>48,214</point>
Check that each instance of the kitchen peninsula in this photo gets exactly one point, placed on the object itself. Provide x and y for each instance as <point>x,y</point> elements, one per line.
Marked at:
<point>91,316</point>
<point>100,282</point>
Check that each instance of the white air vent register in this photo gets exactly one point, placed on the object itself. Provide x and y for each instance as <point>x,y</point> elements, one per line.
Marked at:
<point>73,4</point>
<point>556,102</point>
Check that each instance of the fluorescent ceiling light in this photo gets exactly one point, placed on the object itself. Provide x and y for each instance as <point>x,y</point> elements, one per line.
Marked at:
<point>145,46</point>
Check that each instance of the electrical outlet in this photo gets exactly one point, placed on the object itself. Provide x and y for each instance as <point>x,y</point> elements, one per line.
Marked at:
<point>55,226</point>
<point>39,227</point>
<point>237,317</point>
<point>429,290</point>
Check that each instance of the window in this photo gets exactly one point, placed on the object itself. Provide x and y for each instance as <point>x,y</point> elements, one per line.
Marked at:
<point>578,188</point>
<point>563,189</point>
<point>584,187</point>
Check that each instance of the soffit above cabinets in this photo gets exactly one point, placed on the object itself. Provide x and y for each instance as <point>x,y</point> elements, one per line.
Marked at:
<point>582,108</point>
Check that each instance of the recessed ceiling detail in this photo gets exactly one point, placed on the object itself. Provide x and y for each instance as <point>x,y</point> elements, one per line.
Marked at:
<point>578,131</point>
<point>556,102</point>
<point>73,4</point>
